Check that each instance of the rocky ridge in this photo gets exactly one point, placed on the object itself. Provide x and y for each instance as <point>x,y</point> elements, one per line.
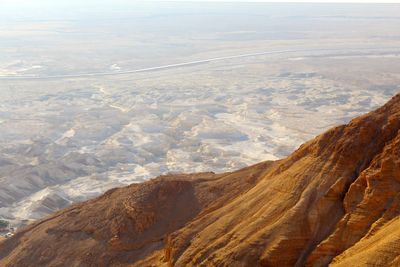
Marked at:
<point>335,201</point>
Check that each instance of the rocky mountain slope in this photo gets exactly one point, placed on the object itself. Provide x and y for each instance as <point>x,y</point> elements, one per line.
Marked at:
<point>335,201</point>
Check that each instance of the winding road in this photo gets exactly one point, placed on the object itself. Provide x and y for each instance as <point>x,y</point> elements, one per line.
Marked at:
<point>184,64</point>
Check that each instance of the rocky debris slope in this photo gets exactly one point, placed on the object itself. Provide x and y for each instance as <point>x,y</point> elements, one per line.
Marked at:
<point>334,201</point>
<point>124,224</point>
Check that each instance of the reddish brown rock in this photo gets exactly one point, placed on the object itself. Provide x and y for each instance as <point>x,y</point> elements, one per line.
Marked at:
<point>336,200</point>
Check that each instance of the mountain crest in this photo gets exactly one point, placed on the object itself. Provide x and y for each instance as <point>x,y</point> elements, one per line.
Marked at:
<point>336,200</point>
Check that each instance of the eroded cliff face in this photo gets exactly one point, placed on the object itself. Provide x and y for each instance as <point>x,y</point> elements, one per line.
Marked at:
<point>371,205</point>
<point>298,211</point>
<point>333,201</point>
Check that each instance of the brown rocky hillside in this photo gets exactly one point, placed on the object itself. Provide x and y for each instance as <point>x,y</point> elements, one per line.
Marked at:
<point>335,201</point>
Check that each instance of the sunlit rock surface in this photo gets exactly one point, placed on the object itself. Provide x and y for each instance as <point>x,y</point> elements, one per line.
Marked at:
<point>65,140</point>
<point>335,200</point>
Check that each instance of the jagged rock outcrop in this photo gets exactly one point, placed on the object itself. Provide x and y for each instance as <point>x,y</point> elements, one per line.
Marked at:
<point>335,201</point>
